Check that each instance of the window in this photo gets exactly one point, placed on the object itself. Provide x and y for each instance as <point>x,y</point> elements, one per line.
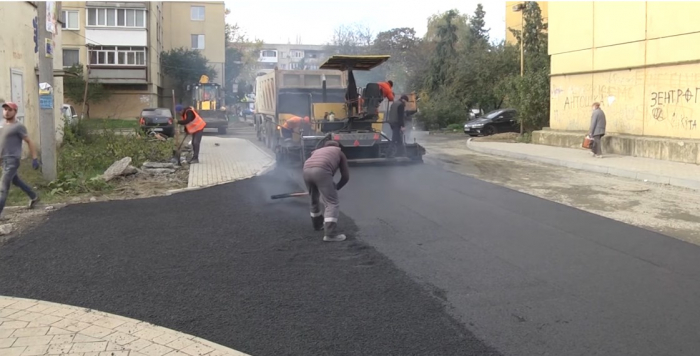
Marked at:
<point>71,57</point>
<point>268,54</point>
<point>197,13</point>
<point>296,54</point>
<point>110,17</point>
<point>293,65</point>
<point>117,56</point>
<point>70,18</point>
<point>197,41</point>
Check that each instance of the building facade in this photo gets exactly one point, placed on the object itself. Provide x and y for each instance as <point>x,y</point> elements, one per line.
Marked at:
<point>19,65</point>
<point>120,44</point>
<point>514,19</point>
<point>292,56</point>
<point>645,71</point>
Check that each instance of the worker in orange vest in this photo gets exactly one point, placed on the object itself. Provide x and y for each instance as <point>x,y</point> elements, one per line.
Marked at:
<point>293,124</point>
<point>194,126</point>
<point>387,89</point>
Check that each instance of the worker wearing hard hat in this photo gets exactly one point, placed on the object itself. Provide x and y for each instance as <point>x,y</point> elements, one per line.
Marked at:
<point>319,170</point>
<point>194,126</point>
<point>293,124</point>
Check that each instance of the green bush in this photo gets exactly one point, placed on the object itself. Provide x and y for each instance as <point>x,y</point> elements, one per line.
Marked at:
<point>86,154</point>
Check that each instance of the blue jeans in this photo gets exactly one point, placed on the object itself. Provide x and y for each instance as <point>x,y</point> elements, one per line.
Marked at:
<point>10,165</point>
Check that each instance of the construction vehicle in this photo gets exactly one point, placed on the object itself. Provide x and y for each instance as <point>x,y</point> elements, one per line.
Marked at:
<point>361,132</point>
<point>282,94</point>
<point>207,98</point>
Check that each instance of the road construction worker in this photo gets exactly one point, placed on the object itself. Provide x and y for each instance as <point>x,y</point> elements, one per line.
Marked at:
<point>293,124</point>
<point>397,122</point>
<point>194,126</point>
<point>319,170</point>
<point>387,89</point>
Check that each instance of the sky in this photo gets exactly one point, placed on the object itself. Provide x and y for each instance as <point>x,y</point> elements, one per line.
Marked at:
<point>281,21</point>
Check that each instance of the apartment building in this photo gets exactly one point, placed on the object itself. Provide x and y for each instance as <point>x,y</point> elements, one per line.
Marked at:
<point>19,63</point>
<point>121,45</point>
<point>292,56</point>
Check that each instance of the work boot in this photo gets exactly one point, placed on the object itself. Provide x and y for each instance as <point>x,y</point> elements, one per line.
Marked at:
<point>33,202</point>
<point>317,222</point>
<point>336,238</point>
<point>193,160</point>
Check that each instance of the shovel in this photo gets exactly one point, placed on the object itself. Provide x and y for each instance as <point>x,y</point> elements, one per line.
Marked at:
<point>289,195</point>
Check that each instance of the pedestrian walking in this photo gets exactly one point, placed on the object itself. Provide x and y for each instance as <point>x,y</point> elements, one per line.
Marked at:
<point>194,126</point>
<point>397,118</point>
<point>12,134</point>
<point>319,170</point>
<point>597,130</point>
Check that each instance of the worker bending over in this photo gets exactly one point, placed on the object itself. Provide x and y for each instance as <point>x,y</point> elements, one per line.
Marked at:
<point>319,170</point>
<point>293,124</point>
<point>387,89</point>
<point>194,126</point>
<point>397,117</point>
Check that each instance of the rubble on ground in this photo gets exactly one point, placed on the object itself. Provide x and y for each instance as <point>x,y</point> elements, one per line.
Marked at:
<point>123,168</point>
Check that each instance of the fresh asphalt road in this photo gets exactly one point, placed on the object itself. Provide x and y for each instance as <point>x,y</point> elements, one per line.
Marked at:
<point>529,276</point>
<point>525,275</point>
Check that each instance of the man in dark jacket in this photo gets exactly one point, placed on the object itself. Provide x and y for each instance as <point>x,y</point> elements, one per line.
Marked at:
<point>397,117</point>
<point>597,130</point>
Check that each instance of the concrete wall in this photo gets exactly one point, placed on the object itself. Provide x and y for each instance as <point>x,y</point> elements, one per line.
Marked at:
<point>645,70</point>
<point>124,104</point>
<point>17,56</point>
<point>514,19</point>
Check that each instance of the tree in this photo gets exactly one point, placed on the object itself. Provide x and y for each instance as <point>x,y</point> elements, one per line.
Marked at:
<point>351,40</point>
<point>402,45</point>
<point>530,94</point>
<point>478,34</point>
<point>441,63</point>
<point>241,62</point>
<point>74,89</point>
<point>184,67</point>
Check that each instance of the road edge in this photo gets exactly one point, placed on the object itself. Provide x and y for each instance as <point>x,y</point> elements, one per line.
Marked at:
<point>641,176</point>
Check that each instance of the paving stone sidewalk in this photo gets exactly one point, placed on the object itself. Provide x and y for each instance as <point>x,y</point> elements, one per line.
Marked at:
<point>645,169</point>
<point>227,159</point>
<point>32,327</point>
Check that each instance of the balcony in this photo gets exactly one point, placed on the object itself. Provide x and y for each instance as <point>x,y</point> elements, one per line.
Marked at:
<point>119,75</point>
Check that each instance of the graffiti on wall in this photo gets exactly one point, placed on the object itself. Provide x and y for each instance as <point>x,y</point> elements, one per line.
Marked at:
<point>620,94</point>
<point>673,100</point>
<point>674,106</point>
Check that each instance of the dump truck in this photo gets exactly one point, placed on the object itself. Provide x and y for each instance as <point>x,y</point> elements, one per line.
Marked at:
<point>362,132</point>
<point>208,99</point>
<point>281,94</point>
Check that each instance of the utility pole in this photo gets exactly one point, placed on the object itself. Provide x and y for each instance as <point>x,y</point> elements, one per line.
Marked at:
<point>521,8</point>
<point>47,126</point>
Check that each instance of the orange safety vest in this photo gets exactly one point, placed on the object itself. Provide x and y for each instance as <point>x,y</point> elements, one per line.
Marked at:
<point>198,124</point>
<point>386,90</point>
<point>293,122</point>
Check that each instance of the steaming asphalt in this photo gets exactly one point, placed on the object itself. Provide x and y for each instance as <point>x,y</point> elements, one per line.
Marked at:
<point>525,275</point>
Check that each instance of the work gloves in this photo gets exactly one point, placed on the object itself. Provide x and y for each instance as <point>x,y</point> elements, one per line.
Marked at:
<point>35,163</point>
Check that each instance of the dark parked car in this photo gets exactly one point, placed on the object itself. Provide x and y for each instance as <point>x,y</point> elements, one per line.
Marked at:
<point>497,121</point>
<point>158,120</point>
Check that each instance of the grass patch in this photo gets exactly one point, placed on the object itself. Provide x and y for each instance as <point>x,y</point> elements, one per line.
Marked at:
<point>111,124</point>
<point>83,157</point>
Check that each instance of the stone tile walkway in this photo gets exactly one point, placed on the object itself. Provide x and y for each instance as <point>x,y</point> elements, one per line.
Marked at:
<point>32,327</point>
<point>232,159</point>
<point>645,169</point>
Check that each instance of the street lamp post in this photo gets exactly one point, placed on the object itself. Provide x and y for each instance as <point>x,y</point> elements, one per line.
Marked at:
<point>521,8</point>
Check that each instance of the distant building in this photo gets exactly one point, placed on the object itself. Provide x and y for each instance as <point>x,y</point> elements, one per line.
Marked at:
<point>122,43</point>
<point>292,56</point>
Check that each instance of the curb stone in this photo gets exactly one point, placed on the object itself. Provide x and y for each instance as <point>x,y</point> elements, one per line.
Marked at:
<point>625,173</point>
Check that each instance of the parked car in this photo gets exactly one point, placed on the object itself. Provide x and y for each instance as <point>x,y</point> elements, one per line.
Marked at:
<point>69,114</point>
<point>497,121</point>
<point>157,120</point>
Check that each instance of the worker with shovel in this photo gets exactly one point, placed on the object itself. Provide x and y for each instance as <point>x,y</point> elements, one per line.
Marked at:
<point>194,126</point>
<point>319,170</point>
